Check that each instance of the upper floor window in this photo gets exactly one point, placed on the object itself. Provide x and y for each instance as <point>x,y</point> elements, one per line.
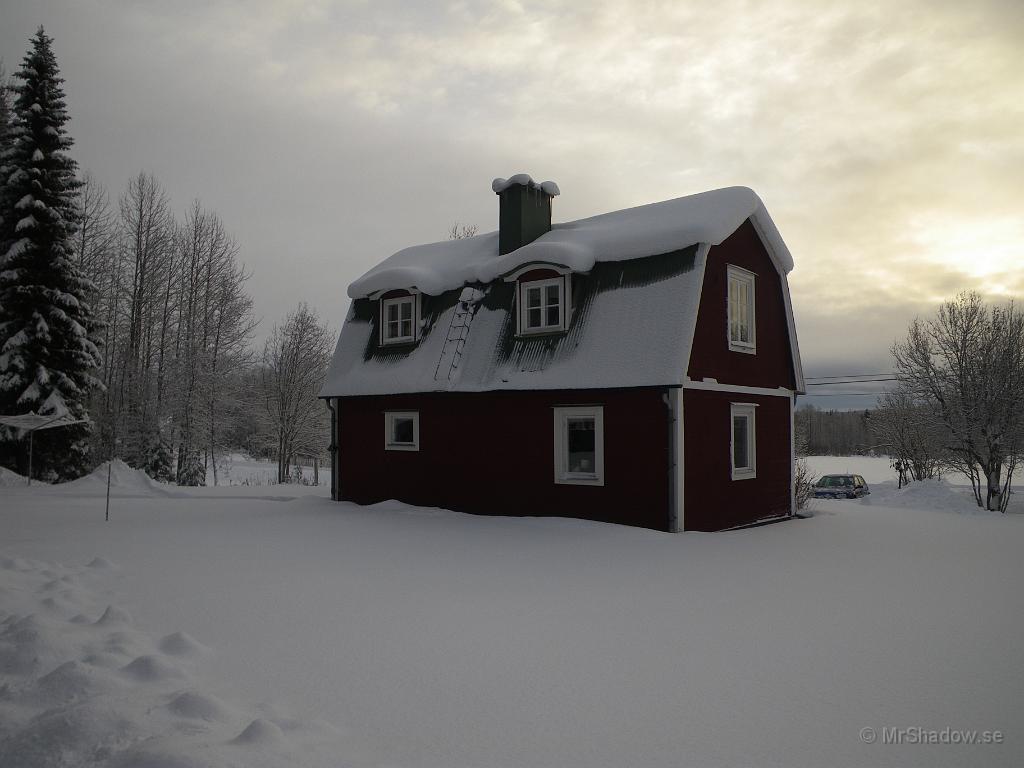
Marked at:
<point>542,305</point>
<point>742,330</point>
<point>398,320</point>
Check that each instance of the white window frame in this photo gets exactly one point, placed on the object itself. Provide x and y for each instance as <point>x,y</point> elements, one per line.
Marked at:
<point>389,430</point>
<point>741,277</point>
<point>562,416</point>
<point>412,299</point>
<point>563,305</point>
<point>749,412</point>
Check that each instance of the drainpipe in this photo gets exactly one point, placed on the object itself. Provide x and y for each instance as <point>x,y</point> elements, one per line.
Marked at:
<point>673,399</point>
<point>333,447</point>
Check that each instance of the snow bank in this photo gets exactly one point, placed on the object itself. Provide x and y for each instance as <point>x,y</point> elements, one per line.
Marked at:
<point>648,230</point>
<point>124,481</point>
<point>938,494</point>
<point>9,478</point>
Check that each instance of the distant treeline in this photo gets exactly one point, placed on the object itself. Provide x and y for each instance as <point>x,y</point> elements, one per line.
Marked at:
<point>834,433</point>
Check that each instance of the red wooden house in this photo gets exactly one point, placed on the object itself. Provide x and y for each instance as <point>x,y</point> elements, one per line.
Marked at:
<point>638,367</point>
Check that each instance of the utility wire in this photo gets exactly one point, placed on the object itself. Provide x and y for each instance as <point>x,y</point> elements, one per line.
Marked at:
<point>848,394</point>
<point>849,381</point>
<point>853,375</point>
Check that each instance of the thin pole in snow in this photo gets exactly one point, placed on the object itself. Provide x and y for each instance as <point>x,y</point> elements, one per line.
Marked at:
<point>30,435</point>
<point>110,463</point>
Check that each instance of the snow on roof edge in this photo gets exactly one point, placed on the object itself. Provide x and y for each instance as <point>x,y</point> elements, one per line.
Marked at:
<point>646,230</point>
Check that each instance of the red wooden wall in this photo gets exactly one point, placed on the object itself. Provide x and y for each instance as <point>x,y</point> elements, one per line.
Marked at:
<point>712,499</point>
<point>711,357</point>
<point>493,453</point>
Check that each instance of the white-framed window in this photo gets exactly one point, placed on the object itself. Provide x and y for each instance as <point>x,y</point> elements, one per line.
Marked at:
<point>401,430</point>
<point>542,305</point>
<point>743,441</point>
<point>398,320</point>
<point>742,328</point>
<point>579,445</point>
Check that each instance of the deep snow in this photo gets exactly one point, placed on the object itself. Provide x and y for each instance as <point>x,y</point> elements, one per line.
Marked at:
<point>212,629</point>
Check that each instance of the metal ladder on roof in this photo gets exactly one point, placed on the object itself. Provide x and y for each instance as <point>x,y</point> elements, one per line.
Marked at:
<point>458,332</point>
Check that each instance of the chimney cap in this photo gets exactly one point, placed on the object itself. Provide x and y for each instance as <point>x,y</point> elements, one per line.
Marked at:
<point>524,179</point>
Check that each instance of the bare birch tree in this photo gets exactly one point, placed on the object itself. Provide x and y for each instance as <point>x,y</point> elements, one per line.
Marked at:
<point>294,364</point>
<point>911,434</point>
<point>967,365</point>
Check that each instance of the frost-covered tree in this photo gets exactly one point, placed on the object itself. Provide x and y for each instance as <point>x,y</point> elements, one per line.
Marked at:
<point>47,356</point>
<point>5,104</point>
<point>294,365</point>
<point>965,367</point>
<point>908,429</point>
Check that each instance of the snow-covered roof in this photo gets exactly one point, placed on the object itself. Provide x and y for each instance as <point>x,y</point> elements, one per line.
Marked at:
<point>707,217</point>
<point>631,327</point>
<point>636,281</point>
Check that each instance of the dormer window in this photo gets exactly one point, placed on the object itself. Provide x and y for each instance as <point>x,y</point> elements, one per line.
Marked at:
<point>543,305</point>
<point>742,330</point>
<point>398,319</point>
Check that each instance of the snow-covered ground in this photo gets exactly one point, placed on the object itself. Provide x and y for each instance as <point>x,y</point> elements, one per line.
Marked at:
<point>235,469</point>
<point>250,626</point>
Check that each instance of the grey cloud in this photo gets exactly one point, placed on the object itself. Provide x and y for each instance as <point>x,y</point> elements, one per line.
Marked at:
<point>330,134</point>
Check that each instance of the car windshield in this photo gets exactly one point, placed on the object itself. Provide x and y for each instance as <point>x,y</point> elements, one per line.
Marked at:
<point>835,481</point>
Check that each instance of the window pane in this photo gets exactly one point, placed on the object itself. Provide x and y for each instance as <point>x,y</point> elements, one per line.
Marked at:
<point>740,460</point>
<point>581,444</point>
<point>533,318</point>
<point>533,297</point>
<point>406,328</point>
<point>744,319</point>
<point>551,295</point>
<point>392,332</point>
<point>734,316</point>
<point>392,312</point>
<point>403,431</point>
<point>553,315</point>
<point>406,310</point>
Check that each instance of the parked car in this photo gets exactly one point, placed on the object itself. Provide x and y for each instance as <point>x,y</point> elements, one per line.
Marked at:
<point>840,487</point>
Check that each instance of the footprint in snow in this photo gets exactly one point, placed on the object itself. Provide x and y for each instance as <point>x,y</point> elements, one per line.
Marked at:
<point>151,669</point>
<point>182,644</point>
<point>72,681</point>
<point>261,733</point>
<point>100,563</point>
<point>199,706</point>
<point>113,615</point>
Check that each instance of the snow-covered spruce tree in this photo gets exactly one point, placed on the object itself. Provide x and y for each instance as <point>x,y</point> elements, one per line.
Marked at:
<point>5,104</point>
<point>47,355</point>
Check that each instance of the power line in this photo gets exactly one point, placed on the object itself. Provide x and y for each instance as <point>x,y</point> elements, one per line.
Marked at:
<point>849,381</point>
<point>852,375</point>
<point>849,394</point>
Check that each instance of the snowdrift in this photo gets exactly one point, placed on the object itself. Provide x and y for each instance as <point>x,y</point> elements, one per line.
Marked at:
<point>124,481</point>
<point>937,494</point>
<point>9,478</point>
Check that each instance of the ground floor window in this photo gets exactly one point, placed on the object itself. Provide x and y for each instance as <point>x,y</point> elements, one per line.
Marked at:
<point>401,430</point>
<point>743,443</point>
<point>579,445</point>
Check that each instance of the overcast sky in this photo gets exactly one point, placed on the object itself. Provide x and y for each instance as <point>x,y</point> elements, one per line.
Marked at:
<point>885,138</point>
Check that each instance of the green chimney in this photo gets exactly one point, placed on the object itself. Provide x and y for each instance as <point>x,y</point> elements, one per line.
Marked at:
<point>524,210</point>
